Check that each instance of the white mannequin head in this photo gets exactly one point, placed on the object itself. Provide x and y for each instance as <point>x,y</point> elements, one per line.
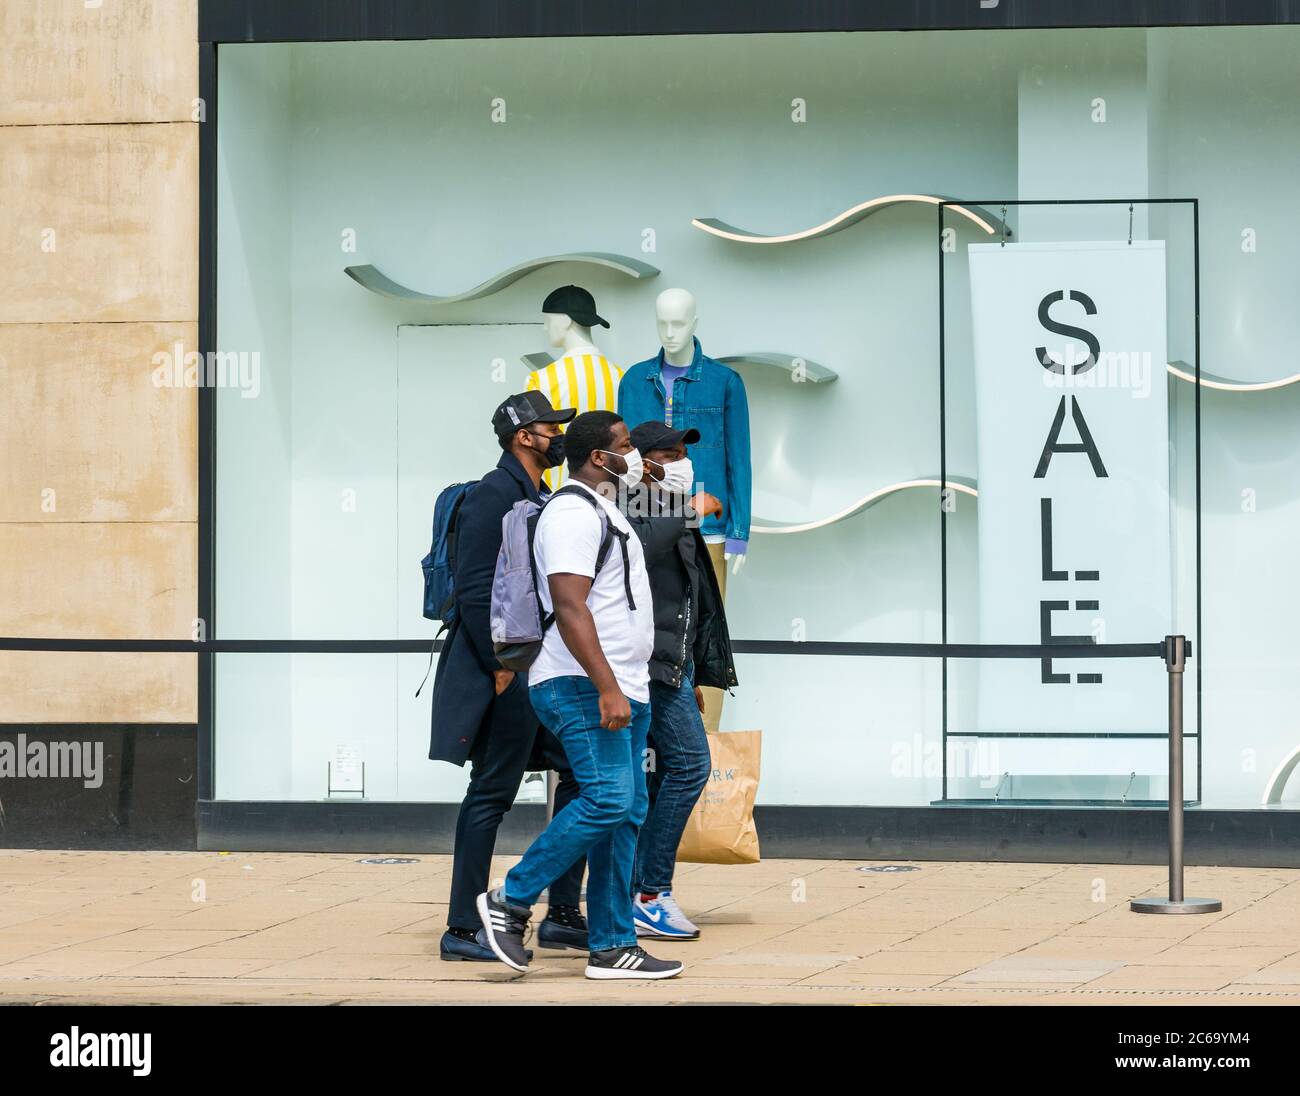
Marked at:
<point>676,318</point>
<point>563,330</point>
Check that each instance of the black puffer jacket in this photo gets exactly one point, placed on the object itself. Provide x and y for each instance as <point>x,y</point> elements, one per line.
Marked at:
<point>690,622</point>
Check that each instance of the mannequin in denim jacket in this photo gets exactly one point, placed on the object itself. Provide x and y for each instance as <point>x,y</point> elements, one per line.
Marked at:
<point>676,318</point>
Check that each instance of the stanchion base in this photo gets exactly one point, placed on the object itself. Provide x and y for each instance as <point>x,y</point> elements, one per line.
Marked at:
<point>1168,905</point>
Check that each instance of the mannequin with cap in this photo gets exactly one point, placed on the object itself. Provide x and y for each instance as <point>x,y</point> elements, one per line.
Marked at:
<point>581,377</point>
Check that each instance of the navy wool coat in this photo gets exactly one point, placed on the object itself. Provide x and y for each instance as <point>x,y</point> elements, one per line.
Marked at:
<point>465,703</point>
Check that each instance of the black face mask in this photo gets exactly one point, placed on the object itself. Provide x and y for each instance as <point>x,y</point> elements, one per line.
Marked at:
<point>554,452</point>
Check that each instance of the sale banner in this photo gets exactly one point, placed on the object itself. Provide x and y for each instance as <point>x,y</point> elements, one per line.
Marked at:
<point>1074,471</point>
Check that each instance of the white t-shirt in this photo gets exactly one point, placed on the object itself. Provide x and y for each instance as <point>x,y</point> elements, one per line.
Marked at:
<point>568,537</point>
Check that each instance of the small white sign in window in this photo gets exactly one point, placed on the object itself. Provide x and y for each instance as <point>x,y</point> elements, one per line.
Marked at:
<point>347,772</point>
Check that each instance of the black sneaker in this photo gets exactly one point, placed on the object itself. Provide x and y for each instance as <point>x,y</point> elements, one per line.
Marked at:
<point>630,962</point>
<point>504,925</point>
<point>457,948</point>
<point>565,929</point>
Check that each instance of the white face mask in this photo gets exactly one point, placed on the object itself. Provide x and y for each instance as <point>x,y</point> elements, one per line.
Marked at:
<point>679,476</point>
<point>632,476</point>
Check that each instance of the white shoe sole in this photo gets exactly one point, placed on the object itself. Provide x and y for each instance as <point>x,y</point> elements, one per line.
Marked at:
<point>485,915</point>
<point>646,930</point>
<point>611,973</point>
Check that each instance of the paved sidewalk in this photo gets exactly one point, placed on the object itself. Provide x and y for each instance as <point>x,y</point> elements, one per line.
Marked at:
<point>134,927</point>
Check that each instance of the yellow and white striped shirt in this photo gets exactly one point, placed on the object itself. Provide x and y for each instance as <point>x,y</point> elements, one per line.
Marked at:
<point>583,378</point>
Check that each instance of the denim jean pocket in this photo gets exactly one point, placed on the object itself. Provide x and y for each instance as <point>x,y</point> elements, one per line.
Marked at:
<point>571,703</point>
<point>542,698</point>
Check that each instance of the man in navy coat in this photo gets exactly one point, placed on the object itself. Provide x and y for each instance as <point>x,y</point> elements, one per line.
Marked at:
<point>481,712</point>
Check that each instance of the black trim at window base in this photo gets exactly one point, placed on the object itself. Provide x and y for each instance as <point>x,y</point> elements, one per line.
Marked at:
<point>142,797</point>
<point>1030,834</point>
<point>379,20</point>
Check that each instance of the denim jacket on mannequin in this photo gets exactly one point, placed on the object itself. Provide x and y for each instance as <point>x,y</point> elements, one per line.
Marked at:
<point>711,398</point>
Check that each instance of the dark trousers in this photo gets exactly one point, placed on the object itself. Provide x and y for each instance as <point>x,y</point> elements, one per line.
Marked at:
<point>675,782</point>
<point>511,744</point>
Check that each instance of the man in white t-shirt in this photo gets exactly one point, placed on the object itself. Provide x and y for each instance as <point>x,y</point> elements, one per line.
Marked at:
<point>590,686</point>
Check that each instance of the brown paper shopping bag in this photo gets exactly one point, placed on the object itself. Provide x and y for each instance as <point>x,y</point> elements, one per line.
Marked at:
<point>721,827</point>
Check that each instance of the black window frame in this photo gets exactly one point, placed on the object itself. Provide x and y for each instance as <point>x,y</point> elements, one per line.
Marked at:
<point>259,21</point>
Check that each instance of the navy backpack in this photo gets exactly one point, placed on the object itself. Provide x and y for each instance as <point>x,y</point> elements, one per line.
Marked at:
<point>439,565</point>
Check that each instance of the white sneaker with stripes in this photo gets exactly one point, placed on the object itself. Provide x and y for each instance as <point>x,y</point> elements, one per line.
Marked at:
<point>631,962</point>
<point>504,926</point>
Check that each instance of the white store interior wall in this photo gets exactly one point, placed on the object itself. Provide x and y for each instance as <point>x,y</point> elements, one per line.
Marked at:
<point>368,406</point>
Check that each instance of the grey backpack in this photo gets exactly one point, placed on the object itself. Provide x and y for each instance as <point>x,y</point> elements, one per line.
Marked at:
<point>517,622</point>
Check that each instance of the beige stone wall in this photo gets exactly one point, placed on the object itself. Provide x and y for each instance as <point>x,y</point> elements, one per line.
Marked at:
<point>98,464</point>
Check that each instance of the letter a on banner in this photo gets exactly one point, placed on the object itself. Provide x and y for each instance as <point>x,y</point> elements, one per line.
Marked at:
<point>1084,445</point>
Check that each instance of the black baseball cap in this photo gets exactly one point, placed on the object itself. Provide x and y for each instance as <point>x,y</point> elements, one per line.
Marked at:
<point>575,302</point>
<point>658,435</point>
<point>526,408</point>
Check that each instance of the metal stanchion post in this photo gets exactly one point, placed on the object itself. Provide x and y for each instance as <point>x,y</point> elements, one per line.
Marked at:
<point>1175,662</point>
<point>552,782</point>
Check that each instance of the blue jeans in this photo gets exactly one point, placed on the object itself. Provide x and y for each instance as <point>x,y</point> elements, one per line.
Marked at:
<point>602,822</point>
<point>681,764</point>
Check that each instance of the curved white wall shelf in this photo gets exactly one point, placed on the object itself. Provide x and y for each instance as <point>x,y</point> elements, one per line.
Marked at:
<point>813,372</point>
<point>979,217</point>
<point>1277,782</point>
<point>962,484</point>
<point>373,279</point>
<point>1185,372</point>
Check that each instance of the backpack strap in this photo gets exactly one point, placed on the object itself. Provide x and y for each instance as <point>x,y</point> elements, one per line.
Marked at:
<point>606,543</point>
<point>549,618</point>
<point>429,668</point>
<point>453,540</point>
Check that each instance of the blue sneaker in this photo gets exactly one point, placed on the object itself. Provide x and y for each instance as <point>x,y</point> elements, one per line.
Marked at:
<point>662,916</point>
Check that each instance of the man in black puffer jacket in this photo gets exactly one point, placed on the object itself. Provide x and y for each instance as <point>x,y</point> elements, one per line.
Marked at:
<point>691,648</point>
